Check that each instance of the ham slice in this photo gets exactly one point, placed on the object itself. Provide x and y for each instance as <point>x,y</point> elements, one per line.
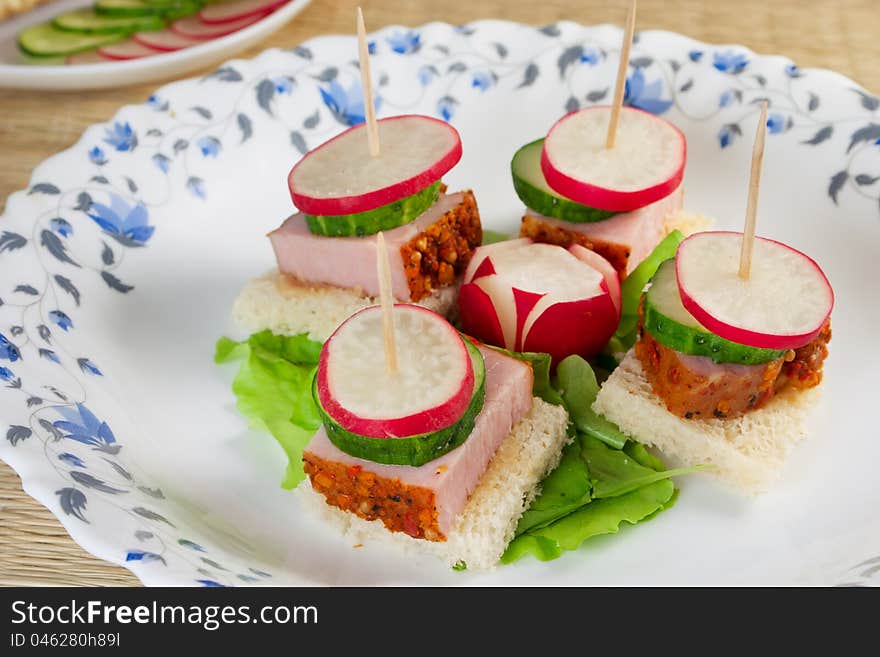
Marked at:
<point>350,262</point>
<point>438,490</point>
<point>697,387</point>
<point>625,239</point>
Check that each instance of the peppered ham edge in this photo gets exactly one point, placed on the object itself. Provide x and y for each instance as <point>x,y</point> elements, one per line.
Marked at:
<point>695,387</point>
<point>426,254</point>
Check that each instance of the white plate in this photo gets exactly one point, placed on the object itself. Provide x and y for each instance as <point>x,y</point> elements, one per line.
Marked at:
<point>15,74</point>
<point>166,479</point>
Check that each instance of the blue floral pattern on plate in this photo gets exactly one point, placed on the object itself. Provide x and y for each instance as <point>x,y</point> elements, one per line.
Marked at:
<point>83,227</point>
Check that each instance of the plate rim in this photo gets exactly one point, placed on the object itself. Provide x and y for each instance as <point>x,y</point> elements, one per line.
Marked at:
<point>152,69</point>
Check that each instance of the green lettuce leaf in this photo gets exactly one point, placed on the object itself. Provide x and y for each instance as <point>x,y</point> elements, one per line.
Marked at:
<point>641,454</point>
<point>576,382</point>
<point>564,490</point>
<point>604,516</point>
<point>493,236</point>
<point>541,363</point>
<point>631,291</point>
<point>273,390</point>
<point>602,480</point>
<point>616,473</point>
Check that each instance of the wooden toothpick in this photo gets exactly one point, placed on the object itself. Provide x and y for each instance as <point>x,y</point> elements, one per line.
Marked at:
<point>745,255</point>
<point>369,108</point>
<point>384,272</point>
<point>620,85</point>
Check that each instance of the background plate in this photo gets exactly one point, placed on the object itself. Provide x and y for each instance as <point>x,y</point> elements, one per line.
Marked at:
<point>119,264</point>
<point>14,74</point>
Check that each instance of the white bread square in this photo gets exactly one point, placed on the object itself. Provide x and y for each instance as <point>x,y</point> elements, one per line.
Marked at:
<point>488,521</point>
<point>747,451</point>
<point>267,302</point>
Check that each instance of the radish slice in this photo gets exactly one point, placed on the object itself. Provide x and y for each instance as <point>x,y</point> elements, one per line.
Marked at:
<point>341,177</point>
<point>226,12</point>
<point>87,57</point>
<point>431,390</point>
<point>783,304</point>
<point>193,28</point>
<point>128,49</point>
<point>646,164</point>
<point>165,40</point>
<point>543,298</point>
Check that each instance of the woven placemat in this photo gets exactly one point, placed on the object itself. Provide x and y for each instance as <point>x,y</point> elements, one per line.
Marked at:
<point>841,35</point>
<point>35,550</point>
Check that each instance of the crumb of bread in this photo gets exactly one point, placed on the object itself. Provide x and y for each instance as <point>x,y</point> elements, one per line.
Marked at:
<point>486,525</point>
<point>687,222</point>
<point>269,302</point>
<point>747,451</point>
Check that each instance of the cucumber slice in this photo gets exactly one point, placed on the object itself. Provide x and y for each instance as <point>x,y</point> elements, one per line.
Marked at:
<point>672,326</point>
<point>45,40</point>
<point>167,10</point>
<point>412,450</point>
<point>533,190</point>
<point>89,22</point>
<point>172,12</point>
<point>125,8</point>
<point>385,217</point>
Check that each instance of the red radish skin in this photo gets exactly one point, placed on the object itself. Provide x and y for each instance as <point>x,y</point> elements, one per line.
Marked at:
<point>128,49</point>
<point>501,294</point>
<point>324,206</point>
<point>524,302</point>
<point>597,262</point>
<point>193,28</point>
<point>433,419</point>
<point>478,316</point>
<point>605,198</point>
<point>485,268</point>
<point>481,271</point>
<point>165,40</point>
<point>476,269</point>
<point>573,327</point>
<point>226,12</point>
<point>535,322</point>
<point>743,335</point>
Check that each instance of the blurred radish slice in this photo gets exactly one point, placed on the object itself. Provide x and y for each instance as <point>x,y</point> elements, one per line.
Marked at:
<point>87,57</point>
<point>225,12</point>
<point>128,49</point>
<point>193,28</point>
<point>165,40</point>
<point>783,304</point>
<point>540,297</point>
<point>646,164</point>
